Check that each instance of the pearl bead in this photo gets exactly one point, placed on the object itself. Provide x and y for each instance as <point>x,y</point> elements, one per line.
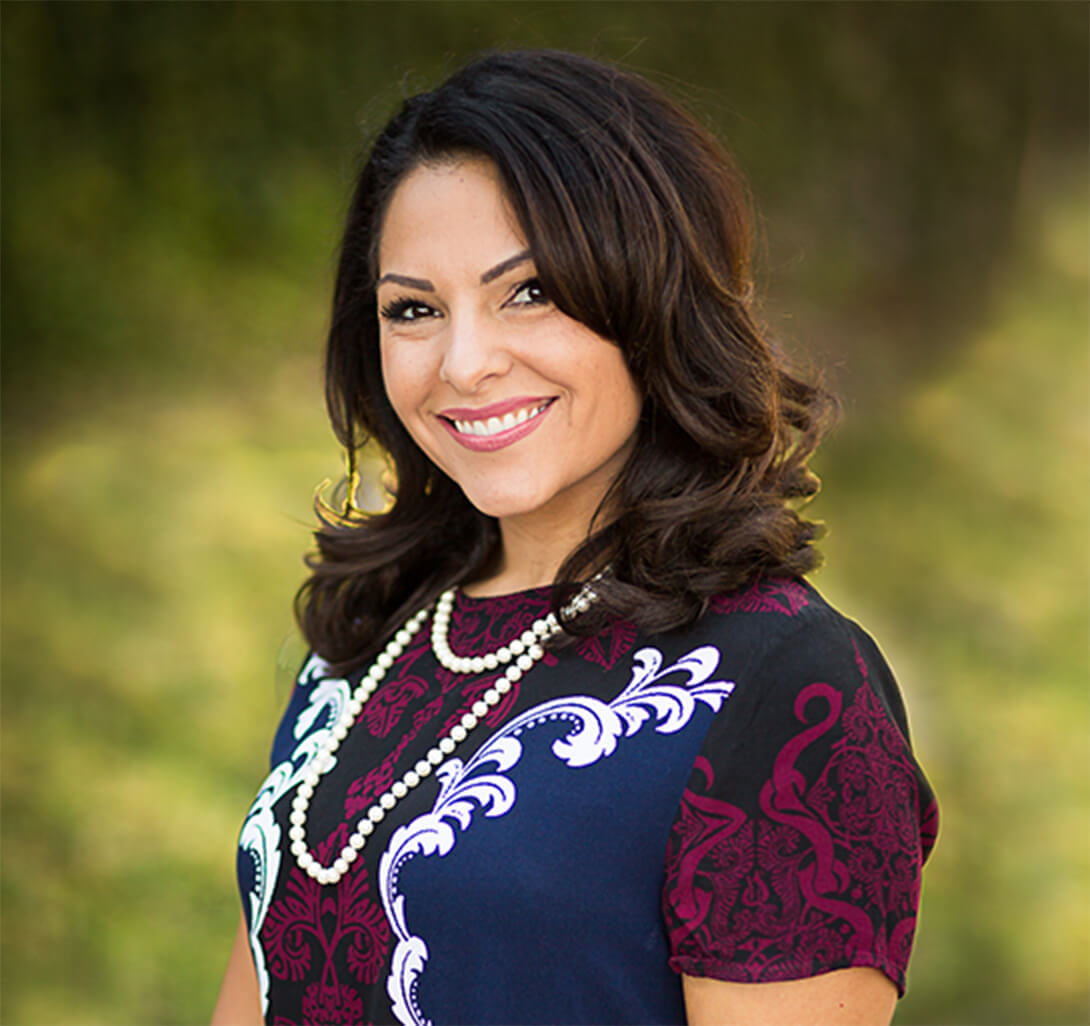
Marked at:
<point>523,652</point>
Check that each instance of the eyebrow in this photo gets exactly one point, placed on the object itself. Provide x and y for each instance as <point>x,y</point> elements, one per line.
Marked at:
<point>490,275</point>
<point>412,283</point>
<point>504,266</point>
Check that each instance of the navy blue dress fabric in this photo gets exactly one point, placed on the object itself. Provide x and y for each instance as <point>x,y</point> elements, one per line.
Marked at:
<point>737,800</point>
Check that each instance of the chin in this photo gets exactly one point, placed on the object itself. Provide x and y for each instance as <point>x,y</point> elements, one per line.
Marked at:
<point>501,502</point>
<point>501,507</point>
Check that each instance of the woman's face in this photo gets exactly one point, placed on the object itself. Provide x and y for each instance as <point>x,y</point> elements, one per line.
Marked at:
<point>531,412</point>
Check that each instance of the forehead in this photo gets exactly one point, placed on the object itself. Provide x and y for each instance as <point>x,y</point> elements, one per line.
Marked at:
<point>454,211</point>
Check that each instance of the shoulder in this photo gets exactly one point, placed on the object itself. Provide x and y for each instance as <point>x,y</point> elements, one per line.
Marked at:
<point>782,636</point>
<point>804,674</point>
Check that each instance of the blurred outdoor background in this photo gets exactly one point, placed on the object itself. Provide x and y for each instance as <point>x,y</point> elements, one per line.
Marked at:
<point>173,180</point>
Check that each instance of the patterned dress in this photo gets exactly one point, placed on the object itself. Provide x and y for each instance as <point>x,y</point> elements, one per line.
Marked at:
<point>737,800</point>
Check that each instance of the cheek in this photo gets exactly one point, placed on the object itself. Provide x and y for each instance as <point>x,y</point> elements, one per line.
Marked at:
<point>399,381</point>
<point>621,393</point>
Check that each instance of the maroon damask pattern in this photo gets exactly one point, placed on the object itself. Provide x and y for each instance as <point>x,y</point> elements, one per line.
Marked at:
<point>310,929</point>
<point>784,595</point>
<point>383,710</point>
<point>823,873</point>
<point>605,650</point>
<point>817,869</point>
<point>488,623</point>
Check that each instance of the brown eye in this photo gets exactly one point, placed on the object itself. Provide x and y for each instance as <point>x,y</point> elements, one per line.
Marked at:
<point>407,310</point>
<point>529,293</point>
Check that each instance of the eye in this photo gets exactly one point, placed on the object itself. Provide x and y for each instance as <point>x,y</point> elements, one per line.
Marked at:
<point>529,293</point>
<point>406,310</point>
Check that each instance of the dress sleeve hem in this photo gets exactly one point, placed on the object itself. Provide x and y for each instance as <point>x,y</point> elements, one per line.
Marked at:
<point>732,972</point>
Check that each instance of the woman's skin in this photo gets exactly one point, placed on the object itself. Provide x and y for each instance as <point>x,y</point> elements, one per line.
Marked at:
<point>239,1003</point>
<point>844,997</point>
<point>467,333</point>
<point>466,328</point>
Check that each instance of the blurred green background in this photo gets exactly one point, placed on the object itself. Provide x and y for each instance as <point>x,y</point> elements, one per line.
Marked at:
<point>173,179</point>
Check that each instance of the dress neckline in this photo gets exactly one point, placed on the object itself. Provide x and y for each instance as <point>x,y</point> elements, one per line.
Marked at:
<point>537,595</point>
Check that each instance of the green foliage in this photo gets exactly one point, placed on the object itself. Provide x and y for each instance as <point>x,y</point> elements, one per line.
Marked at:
<point>173,179</point>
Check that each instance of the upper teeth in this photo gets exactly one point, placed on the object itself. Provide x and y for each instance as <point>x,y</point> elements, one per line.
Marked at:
<point>494,425</point>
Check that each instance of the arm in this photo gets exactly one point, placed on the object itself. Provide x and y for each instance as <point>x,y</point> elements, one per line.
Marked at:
<point>239,1003</point>
<point>844,997</point>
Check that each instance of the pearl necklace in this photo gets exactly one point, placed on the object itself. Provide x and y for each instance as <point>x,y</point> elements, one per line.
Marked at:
<point>522,653</point>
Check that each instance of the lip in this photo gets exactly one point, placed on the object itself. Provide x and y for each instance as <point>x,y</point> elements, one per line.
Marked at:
<point>490,443</point>
<point>495,409</point>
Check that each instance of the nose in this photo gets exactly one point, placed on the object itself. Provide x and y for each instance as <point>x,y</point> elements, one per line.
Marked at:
<point>474,352</point>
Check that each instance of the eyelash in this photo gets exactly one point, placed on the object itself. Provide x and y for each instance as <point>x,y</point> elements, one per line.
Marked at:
<point>528,284</point>
<point>397,309</point>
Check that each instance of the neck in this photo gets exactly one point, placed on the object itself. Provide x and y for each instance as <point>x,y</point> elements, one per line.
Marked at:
<point>530,556</point>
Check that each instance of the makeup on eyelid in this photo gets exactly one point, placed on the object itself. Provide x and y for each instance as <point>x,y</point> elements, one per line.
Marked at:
<point>527,409</point>
<point>396,309</point>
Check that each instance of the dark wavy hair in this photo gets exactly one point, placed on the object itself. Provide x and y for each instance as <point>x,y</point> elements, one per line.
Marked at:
<point>640,228</point>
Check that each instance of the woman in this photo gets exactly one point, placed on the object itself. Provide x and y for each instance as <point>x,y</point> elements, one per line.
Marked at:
<point>576,742</point>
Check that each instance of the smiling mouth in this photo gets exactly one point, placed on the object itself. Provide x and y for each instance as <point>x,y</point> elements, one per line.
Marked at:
<point>497,425</point>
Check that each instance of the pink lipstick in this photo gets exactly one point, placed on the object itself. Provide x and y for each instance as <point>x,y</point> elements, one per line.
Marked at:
<point>496,426</point>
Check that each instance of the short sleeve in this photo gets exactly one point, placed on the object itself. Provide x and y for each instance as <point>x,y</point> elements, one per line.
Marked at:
<point>798,843</point>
